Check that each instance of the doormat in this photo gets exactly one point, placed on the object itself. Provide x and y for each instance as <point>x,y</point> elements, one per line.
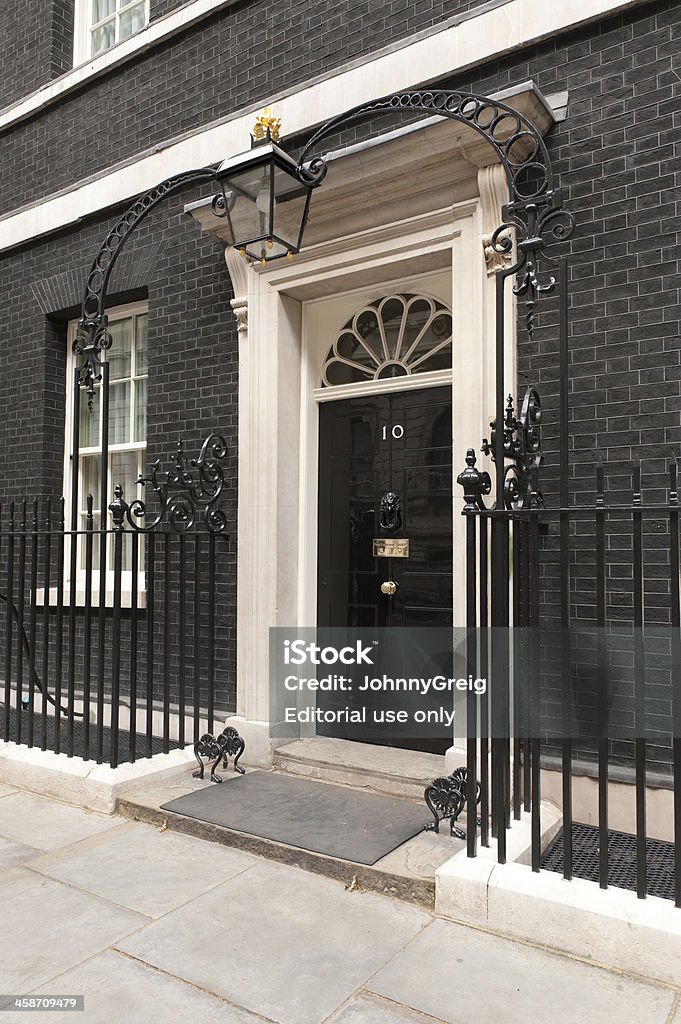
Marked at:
<point>621,859</point>
<point>315,816</point>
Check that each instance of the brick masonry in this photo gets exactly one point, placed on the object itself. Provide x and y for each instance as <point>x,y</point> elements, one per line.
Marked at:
<point>36,45</point>
<point>616,156</point>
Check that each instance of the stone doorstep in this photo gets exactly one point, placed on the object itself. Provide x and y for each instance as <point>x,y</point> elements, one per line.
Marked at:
<point>419,891</point>
<point>72,780</point>
<point>407,873</point>
<point>388,771</point>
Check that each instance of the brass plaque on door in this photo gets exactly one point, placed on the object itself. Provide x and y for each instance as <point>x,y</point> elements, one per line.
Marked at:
<point>391,547</point>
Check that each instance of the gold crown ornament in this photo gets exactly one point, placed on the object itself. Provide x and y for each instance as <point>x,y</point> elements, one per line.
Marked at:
<point>267,126</point>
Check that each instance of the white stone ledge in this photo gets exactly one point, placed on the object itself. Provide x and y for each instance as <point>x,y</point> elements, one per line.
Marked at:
<point>85,783</point>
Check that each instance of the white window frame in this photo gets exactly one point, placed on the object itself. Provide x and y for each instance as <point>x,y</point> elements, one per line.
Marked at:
<point>83,26</point>
<point>114,314</point>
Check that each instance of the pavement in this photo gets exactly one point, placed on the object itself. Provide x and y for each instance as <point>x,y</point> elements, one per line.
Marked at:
<point>153,925</point>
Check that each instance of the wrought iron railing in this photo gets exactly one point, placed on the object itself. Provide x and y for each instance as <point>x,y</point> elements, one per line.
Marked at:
<point>588,680</point>
<point>114,643</point>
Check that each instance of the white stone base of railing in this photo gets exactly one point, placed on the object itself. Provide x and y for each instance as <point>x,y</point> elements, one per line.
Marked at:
<point>610,927</point>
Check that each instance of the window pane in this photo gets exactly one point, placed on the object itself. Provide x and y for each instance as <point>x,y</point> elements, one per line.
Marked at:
<point>127,552</point>
<point>140,410</point>
<point>90,480</point>
<point>123,471</point>
<point>89,421</point>
<point>119,413</point>
<point>118,356</point>
<point>103,38</point>
<point>141,346</point>
<point>131,21</point>
<point>102,9</point>
<point>96,525</point>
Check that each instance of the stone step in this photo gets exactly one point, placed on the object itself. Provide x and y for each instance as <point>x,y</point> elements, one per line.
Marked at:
<point>407,873</point>
<point>389,771</point>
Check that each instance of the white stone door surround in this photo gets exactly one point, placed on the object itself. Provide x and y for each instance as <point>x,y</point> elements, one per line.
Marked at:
<point>278,414</point>
<point>418,202</point>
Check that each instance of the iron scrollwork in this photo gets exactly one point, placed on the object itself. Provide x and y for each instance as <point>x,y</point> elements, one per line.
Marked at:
<point>446,798</point>
<point>533,215</point>
<point>534,224</point>
<point>219,748</point>
<point>93,336</point>
<point>188,491</point>
<point>523,447</point>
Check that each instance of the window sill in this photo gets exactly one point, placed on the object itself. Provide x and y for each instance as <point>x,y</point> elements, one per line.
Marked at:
<point>126,597</point>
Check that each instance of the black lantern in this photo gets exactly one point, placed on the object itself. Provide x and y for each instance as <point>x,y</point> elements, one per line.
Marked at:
<point>264,198</point>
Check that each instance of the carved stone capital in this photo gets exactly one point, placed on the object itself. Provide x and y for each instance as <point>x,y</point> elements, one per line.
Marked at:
<point>237,268</point>
<point>240,310</point>
<point>493,194</point>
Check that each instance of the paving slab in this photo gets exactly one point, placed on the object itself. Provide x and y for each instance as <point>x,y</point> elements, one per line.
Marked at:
<point>48,928</point>
<point>118,989</point>
<point>45,824</point>
<point>456,974</point>
<point>139,868</point>
<point>14,854</point>
<point>6,790</point>
<point>369,1009</point>
<point>280,942</point>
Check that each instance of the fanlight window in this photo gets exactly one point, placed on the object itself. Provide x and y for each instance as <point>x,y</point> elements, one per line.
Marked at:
<point>392,337</point>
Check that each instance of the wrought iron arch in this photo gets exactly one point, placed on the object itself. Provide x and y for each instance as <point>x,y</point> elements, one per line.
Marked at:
<point>490,118</point>
<point>534,212</point>
<point>532,216</point>
<point>93,336</point>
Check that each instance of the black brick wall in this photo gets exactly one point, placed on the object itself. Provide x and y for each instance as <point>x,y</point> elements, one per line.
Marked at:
<point>159,8</point>
<point>36,45</point>
<point>234,58</point>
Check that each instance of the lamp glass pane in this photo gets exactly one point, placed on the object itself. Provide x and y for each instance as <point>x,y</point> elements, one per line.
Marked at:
<point>248,196</point>
<point>290,200</point>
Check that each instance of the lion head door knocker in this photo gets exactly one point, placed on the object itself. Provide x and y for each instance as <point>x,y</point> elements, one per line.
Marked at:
<point>391,512</point>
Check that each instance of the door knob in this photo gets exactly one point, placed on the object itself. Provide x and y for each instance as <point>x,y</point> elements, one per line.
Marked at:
<point>389,588</point>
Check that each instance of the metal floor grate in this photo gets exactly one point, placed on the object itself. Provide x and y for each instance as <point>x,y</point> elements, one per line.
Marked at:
<point>621,857</point>
<point>79,738</point>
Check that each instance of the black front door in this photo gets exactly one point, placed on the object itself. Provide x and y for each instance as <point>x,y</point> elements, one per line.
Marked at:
<point>396,447</point>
